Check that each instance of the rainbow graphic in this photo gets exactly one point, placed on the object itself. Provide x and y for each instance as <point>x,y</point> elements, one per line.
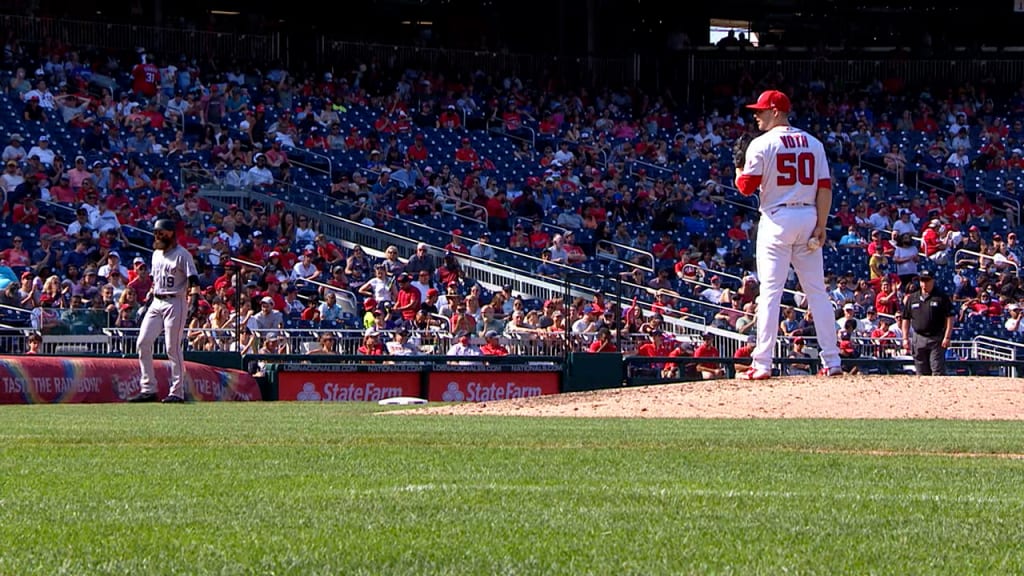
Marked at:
<point>50,379</point>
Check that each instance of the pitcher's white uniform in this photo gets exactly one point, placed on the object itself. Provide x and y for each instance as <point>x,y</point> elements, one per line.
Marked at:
<point>168,312</point>
<point>790,165</point>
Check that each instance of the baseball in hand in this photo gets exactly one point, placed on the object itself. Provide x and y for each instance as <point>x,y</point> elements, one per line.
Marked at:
<point>813,243</point>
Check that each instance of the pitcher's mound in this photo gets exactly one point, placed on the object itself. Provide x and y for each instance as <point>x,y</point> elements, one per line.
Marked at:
<point>887,397</point>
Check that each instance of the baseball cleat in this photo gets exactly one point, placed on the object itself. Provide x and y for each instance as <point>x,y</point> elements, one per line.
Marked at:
<point>173,400</point>
<point>144,397</point>
<point>755,374</point>
<point>833,371</point>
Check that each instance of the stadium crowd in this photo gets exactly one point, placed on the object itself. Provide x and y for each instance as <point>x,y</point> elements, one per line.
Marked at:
<point>605,180</point>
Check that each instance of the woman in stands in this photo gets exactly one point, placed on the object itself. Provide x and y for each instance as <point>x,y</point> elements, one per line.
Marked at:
<point>304,231</point>
<point>895,161</point>
<point>357,266</point>
<point>519,239</point>
<point>287,228</point>
<point>51,288</point>
<point>178,145</point>
<point>500,306</point>
<point>371,345</point>
<point>136,178</point>
<point>328,344</point>
<point>208,139</point>
<point>222,318</point>
<point>19,85</point>
<point>790,325</point>
<point>130,299</point>
<point>864,294</point>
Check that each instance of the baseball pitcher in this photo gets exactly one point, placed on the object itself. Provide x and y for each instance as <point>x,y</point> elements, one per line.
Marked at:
<point>791,170</point>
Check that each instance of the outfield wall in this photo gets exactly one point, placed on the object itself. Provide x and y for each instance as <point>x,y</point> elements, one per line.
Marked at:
<point>52,379</point>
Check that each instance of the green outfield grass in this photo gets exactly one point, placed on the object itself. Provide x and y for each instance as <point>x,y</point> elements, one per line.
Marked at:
<point>278,488</point>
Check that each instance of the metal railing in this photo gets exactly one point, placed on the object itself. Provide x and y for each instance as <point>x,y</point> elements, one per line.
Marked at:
<point>297,154</point>
<point>984,260</point>
<point>989,348</point>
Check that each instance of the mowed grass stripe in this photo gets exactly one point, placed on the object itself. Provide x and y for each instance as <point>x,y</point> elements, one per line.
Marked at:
<point>298,489</point>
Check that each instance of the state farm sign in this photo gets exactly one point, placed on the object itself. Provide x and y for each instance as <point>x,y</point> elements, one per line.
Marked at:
<point>489,386</point>
<point>346,386</point>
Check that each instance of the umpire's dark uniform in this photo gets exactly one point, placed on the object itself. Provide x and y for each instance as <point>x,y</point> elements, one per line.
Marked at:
<point>930,313</point>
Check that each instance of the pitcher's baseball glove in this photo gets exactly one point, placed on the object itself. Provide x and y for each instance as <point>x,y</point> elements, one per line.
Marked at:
<point>739,150</point>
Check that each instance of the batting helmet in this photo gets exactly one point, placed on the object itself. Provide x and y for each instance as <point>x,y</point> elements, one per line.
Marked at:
<point>165,224</point>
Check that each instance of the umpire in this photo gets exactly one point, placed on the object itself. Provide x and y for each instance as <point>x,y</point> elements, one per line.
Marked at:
<point>930,313</point>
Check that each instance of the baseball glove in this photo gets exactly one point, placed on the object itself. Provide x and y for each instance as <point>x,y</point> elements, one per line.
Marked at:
<point>739,150</point>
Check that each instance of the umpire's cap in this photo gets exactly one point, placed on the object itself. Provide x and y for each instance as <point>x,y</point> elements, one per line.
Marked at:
<point>165,225</point>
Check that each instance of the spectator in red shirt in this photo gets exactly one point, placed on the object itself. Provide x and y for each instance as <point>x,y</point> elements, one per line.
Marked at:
<point>744,352</point>
<point>418,152</point>
<point>354,140</point>
<point>466,153</point>
<point>930,241</point>
<point>707,349</point>
<point>655,347</point>
<point>548,125</point>
<point>574,254</point>
<point>371,345</point>
<point>880,244</point>
<point>539,239</point>
<point>449,118</point>
<point>492,345</point>
<point>16,255</point>
<point>736,232</point>
<point>512,118</point>
<point>665,250</point>
<point>328,252</point>
<point>145,79</point>
<point>153,114</point>
<point>142,283</point>
<point>456,244</point>
<point>602,342</point>
<point>316,140</point>
<point>408,299</point>
<point>53,229</point>
<point>26,212</point>
<point>959,210</point>
<point>497,213</point>
<point>62,192</point>
<point>887,299</point>
<point>519,238</point>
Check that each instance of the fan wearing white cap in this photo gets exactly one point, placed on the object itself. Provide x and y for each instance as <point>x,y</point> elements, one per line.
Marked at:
<point>14,152</point>
<point>850,313</point>
<point>790,168</point>
<point>113,262</point>
<point>260,174</point>
<point>43,151</point>
<point>267,319</point>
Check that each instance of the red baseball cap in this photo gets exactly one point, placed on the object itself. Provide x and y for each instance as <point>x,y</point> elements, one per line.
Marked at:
<point>771,100</point>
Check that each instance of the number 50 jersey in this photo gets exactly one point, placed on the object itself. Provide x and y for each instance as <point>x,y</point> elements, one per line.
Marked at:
<point>791,164</point>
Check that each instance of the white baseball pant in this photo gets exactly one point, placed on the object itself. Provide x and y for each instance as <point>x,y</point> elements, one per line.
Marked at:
<point>167,316</point>
<point>782,235</point>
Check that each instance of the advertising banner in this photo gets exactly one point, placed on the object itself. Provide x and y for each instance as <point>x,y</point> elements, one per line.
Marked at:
<point>347,383</point>
<point>490,383</point>
<point>51,379</point>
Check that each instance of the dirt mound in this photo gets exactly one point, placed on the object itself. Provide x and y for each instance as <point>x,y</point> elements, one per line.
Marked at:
<point>888,397</point>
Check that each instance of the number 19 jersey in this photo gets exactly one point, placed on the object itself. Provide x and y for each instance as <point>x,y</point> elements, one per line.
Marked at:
<point>171,270</point>
<point>792,165</point>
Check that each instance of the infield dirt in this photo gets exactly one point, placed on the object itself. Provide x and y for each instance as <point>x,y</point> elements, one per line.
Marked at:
<point>861,396</point>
